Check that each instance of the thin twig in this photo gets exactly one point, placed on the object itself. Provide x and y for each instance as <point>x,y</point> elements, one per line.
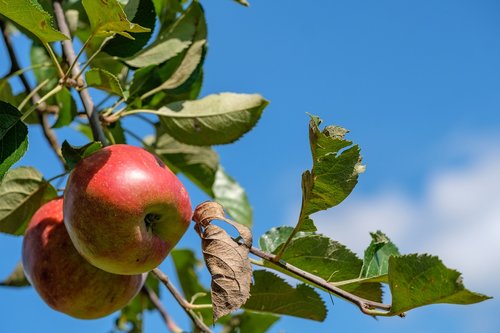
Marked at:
<point>69,52</point>
<point>171,325</point>
<point>181,300</point>
<point>48,133</point>
<point>366,306</point>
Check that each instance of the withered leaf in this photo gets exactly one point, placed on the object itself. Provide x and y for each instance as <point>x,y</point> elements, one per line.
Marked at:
<point>228,263</point>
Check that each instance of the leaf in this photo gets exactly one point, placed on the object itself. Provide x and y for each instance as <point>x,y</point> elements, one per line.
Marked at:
<point>418,280</point>
<point>273,238</point>
<point>67,108</point>
<point>107,18</point>
<point>172,41</point>
<point>104,80</point>
<point>376,260</point>
<point>16,278</point>
<point>248,321</point>
<point>201,166</point>
<point>30,15</point>
<point>39,56</point>
<point>185,263</point>
<point>115,133</point>
<point>192,60</point>
<point>143,13</point>
<point>271,294</point>
<point>323,257</point>
<point>233,197</point>
<point>73,154</point>
<point>226,259</point>
<point>335,171</point>
<point>6,94</point>
<point>215,119</point>
<point>22,192</point>
<point>13,137</point>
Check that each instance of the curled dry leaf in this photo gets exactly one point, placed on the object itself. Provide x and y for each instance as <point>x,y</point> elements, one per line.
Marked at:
<point>226,259</point>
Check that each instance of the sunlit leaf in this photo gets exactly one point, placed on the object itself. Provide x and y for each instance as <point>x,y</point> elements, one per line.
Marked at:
<point>107,18</point>
<point>271,294</point>
<point>418,280</point>
<point>22,191</point>
<point>104,80</point>
<point>30,15</point>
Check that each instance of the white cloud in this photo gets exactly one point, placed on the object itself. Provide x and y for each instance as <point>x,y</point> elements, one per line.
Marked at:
<point>457,217</point>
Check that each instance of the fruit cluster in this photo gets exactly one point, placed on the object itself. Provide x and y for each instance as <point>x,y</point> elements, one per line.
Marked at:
<point>123,210</point>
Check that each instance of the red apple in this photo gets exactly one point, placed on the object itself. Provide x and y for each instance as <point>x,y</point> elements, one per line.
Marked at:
<point>63,278</point>
<point>124,209</point>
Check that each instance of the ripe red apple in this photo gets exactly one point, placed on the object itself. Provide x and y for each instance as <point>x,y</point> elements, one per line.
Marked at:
<point>124,209</point>
<point>63,278</point>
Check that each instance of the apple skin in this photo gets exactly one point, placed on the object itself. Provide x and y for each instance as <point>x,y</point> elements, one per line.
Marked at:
<point>124,209</point>
<point>63,278</point>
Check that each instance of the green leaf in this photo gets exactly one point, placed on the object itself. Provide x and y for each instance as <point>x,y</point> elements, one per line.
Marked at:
<point>13,137</point>
<point>104,80</point>
<point>73,154</point>
<point>143,13</point>
<point>39,56</point>
<point>328,259</point>
<point>376,260</point>
<point>6,94</point>
<point>273,238</point>
<point>16,278</point>
<point>215,119</point>
<point>201,166</point>
<point>418,280</point>
<point>22,192</point>
<point>271,294</point>
<point>67,108</point>
<point>232,197</point>
<point>107,18</point>
<point>185,265</point>
<point>248,321</point>
<point>172,41</point>
<point>335,171</point>
<point>115,133</point>
<point>192,60</point>
<point>30,15</point>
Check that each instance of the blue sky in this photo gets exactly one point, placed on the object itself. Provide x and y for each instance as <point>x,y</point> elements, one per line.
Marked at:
<point>417,83</point>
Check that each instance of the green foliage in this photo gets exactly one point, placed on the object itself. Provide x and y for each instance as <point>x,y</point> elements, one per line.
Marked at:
<point>13,137</point>
<point>22,191</point>
<point>72,155</point>
<point>107,18</point>
<point>418,280</point>
<point>30,15</point>
<point>271,294</point>
<point>163,77</point>
<point>102,79</point>
<point>201,165</point>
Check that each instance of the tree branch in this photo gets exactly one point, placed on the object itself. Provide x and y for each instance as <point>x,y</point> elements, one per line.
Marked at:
<point>69,52</point>
<point>366,306</point>
<point>48,133</point>
<point>172,326</point>
<point>181,300</point>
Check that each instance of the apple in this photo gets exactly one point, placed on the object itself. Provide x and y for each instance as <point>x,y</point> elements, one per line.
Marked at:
<point>63,278</point>
<point>125,209</point>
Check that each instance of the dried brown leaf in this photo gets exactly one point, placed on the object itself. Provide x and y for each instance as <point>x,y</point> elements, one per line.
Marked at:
<point>226,259</point>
